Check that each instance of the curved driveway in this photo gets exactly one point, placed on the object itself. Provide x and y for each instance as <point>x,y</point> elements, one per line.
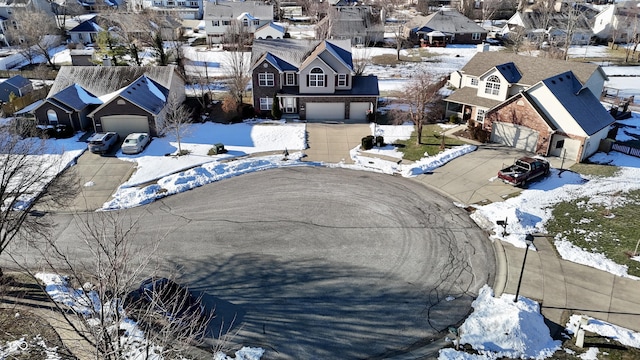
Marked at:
<point>321,263</point>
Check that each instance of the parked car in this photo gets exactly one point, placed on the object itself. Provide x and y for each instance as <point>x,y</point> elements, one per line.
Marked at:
<point>523,170</point>
<point>102,142</point>
<point>167,298</point>
<point>135,143</point>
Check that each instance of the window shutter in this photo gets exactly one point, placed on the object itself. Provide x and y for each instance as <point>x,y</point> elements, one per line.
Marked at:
<point>346,82</point>
<point>308,80</point>
<point>336,80</point>
<point>325,81</point>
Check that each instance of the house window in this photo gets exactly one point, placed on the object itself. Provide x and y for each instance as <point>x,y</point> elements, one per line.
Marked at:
<point>316,77</point>
<point>342,79</point>
<point>266,104</point>
<point>170,3</point>
<point>215,23</point>
<point>193,3</point>
<point>493,85</point>
<point>560,144</point>
<point>474,81</point>
<point>245,22</point>
<point>480,115</point>
<point>291,79</point>
<point>226,22</point>
<point>265,79</point>
<point>52,116</point>
<point>475,36</point>
<point>256,22</point>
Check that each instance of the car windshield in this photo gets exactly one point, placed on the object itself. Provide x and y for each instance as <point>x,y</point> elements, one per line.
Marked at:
<point>131,141</point>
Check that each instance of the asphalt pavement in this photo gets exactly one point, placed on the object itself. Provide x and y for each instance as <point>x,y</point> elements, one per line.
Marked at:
<point>561,287</point>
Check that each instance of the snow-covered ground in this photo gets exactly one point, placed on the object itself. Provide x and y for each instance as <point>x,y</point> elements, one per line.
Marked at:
<point>521,321</point>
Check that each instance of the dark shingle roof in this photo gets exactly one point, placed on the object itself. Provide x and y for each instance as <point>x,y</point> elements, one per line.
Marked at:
<point>279,63</point>
<point>147,94</point>
<point>75,97</point>
<point>580,102</point>
<point>533,69</point>
<point>510,72</point>
<point>86,26</point>
<point>18,81</point>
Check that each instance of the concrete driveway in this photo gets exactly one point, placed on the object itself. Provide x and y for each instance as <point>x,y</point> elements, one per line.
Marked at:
<point>99,177</point>
<point>471,179</point>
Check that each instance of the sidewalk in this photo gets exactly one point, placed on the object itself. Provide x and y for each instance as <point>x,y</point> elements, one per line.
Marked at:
<point>564,288</point>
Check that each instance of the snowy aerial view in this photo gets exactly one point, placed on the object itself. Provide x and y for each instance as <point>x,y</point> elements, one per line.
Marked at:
<point>578,210</point>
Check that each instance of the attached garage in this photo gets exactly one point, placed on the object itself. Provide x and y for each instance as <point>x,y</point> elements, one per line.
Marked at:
<point>358,110</point>
<point>325,111</point>
<point>516,136</point>
<point>125,124</point>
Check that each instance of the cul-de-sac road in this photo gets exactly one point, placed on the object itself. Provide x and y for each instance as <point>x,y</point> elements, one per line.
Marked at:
<point>321,263</point>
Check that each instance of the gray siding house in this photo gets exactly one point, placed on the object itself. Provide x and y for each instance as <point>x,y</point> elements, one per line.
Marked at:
<point>220,16</point>
<point>17,85</point>
<point>123,99</point>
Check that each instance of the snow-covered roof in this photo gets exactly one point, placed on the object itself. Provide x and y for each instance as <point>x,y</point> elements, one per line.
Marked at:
<point>76,97</point>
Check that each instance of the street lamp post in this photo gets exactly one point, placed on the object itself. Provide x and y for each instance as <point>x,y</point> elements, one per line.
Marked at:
<point>528,240</point>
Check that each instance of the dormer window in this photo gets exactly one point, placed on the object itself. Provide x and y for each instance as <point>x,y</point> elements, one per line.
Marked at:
<point>316,77</point>
<point>256,22</point>
<point>245,22</point>
<point>474,81</point>
<point>492,86</point>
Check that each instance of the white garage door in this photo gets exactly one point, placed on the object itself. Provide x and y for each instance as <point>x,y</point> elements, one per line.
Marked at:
<point>358,111</point>
<point>325,111</point>
<point>125,124</point>
<point>519,137</point>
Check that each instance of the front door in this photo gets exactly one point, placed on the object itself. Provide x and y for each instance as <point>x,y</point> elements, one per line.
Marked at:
<point>289,105</point>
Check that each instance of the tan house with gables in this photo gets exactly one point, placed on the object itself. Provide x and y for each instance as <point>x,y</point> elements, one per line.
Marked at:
<point>544,106</point>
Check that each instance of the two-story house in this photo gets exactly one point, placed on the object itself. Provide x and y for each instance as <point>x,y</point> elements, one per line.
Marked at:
<point>220,17</point>
<point>181,9</point>
<point>537,27</point>
<point>545,106</point>
<point>617,22</point>
<point>312,80</point>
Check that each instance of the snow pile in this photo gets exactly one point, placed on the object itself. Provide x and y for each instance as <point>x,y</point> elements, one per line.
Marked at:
<point>430,163</point>
<point>500,327</point>
<point>246,353</point>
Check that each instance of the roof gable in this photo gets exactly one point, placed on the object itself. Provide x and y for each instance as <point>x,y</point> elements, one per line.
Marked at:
<point>340,54</point>
<point>76,97</point>
<point>533,69</point>
<point>147,94</point>
<point>579,102</point>
<point>87,26</point>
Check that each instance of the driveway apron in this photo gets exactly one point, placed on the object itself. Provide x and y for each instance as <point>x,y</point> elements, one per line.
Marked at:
<point>98,177</point>
<point>332,143</point>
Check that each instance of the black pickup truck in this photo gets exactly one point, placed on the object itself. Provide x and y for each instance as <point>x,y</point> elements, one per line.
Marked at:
<point>524,169</point>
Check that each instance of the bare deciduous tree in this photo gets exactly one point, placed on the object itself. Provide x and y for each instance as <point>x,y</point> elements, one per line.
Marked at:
<point>26,183</point>
<point>34,32</point>
<point>110,260</point>
<point>176,119</point>
<point>237,61</point>
<point>424,101</point>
